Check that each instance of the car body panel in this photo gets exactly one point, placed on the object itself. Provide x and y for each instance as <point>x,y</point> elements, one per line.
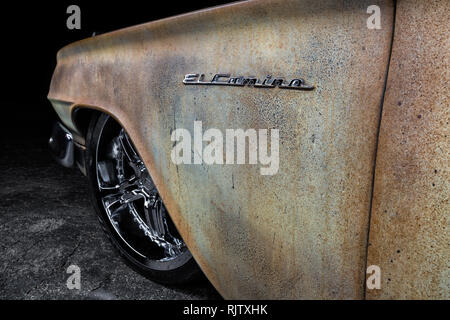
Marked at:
<point>409,236</point>
<point>301,233</point>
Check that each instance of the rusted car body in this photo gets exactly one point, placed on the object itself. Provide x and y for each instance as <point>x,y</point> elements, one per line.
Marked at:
<point>364,173</point>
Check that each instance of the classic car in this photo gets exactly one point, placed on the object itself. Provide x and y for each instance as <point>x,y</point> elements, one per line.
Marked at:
<point>173,122</point>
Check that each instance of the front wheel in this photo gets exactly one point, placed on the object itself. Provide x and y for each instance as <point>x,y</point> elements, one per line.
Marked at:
<point>130,209</point>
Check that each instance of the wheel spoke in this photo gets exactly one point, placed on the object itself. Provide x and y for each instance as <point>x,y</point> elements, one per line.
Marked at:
<point>149,232</point>
<point>114,206</point>
<point>148,213</point>
<point>128,149</point>
<point>159,217</point>
<point>154,216</point>
<point>119,188</point>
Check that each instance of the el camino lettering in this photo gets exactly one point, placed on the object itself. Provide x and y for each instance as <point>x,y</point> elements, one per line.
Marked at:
<point>225,79</point>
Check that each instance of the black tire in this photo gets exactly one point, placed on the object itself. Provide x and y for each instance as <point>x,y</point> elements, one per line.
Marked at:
<point>139,250</point>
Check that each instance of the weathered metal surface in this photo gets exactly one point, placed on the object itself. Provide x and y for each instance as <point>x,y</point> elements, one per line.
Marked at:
<point>409,236</point>
<point>303,232</point>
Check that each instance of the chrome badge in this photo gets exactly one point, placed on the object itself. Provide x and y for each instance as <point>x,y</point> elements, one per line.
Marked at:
<point>223,79</point>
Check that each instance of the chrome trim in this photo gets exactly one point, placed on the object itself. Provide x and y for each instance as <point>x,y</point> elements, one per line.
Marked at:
<point>225,79</point>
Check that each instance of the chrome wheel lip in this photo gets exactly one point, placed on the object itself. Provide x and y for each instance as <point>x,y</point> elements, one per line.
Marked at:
<point>174,248</point>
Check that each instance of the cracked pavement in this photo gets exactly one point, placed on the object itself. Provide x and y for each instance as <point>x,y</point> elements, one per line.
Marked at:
<point>47,224</point>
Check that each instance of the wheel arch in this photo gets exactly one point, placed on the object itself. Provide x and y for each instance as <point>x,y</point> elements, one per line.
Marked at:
<point>77,117</point>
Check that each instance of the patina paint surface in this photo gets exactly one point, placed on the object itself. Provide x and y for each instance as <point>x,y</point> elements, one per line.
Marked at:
<point>409,236</point>
<point>303,232</point>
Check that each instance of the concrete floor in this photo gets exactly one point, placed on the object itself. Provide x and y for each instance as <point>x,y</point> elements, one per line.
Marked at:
<point>47,224</point>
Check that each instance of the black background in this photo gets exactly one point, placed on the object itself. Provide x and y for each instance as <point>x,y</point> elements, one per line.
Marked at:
<point>33,32</point>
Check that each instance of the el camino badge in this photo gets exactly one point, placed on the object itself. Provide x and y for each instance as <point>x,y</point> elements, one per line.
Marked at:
<point>223,79</point>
